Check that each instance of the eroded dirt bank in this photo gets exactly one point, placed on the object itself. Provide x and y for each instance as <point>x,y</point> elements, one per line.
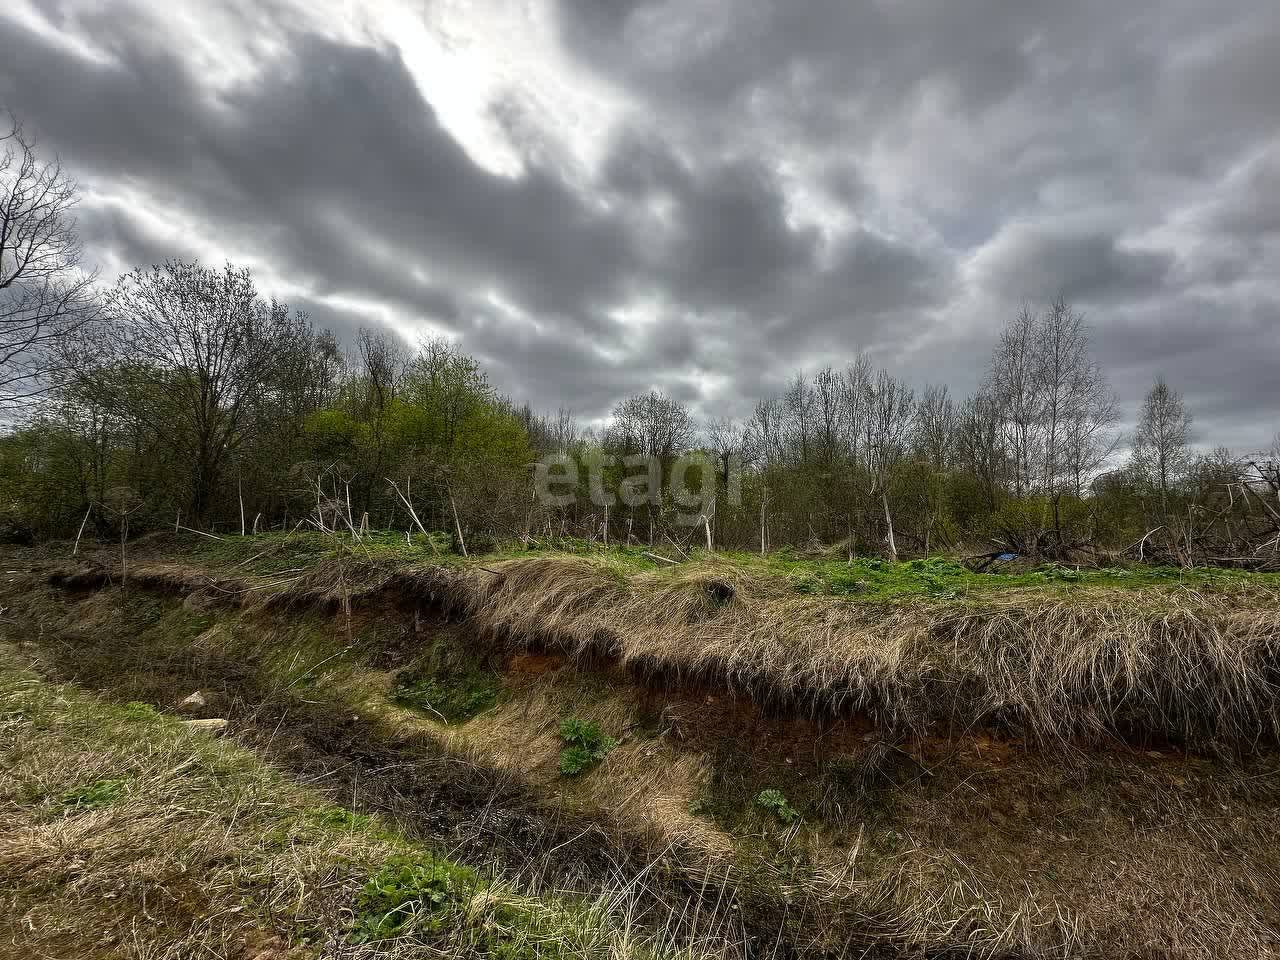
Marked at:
<point>972,841</point>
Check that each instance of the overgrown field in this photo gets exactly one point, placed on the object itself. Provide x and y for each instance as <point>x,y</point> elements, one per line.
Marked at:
<point>126,832</point>
<point>727,756</point>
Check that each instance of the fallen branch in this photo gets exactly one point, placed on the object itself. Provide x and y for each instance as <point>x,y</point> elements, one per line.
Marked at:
<point>654,556</point>
<point>458,526</point>
<point>412,513</point>
<point>76,549</point>
<point>211,536</point>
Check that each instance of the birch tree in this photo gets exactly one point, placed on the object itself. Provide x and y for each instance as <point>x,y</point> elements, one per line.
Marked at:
<point>1161,444</point>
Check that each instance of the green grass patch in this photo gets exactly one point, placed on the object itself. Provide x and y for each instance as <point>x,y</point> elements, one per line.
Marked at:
<point>423,892</point>
<point>862,578</point>
<point>100,793</point>
<point>217,816</point>
<point>873,579</point>
<point>450,681</point>
<point>453,699</point>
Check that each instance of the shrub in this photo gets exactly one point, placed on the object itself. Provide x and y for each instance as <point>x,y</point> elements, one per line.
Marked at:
<point>773,801</point>
<point>405,889</point>
<point>585,746</point>
<point>481,542</point>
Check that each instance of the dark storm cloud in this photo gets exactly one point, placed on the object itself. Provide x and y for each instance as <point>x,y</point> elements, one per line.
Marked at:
<point>1223,360</point>
<point>333,152</point>
<point>1249,207</point>
<point>721,240</point>
<point>112,229</point>
<point>1034,261</point>
<point>788,183</point>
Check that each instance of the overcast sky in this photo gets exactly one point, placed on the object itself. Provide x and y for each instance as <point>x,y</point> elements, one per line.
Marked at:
<point>596,197</point>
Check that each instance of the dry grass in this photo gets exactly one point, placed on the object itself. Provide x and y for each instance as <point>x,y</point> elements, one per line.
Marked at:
<point>122,834</point>
<point>972,844</point>
<point>1034,855</point>
<point>1195,667</point>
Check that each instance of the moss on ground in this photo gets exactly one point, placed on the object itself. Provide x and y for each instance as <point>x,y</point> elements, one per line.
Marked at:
<point>455,698</point>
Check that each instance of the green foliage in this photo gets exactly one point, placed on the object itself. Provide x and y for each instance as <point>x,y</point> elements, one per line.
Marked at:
<point>875,578</point>
<point>566,545</point>
<point>455,698</point>
<point>262,824</point>
<point>290,425</point>
<point>100,793</point>
<point>430,416</point>
<point>432,899</point>
<point>585,746</point>
<point>340,818</point>
<point>1055,573</point>
<point>478,544</point>
<point>420,891</point>
<point>450,682</point>
<point>773,801</point>
<point>140,712</point>
<point>333,435</point>
<point>938,578</point>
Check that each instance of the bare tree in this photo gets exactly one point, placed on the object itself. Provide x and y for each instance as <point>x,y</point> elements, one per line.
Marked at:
<point>934,443</point>
<point>829,412</point>
<point>797,418</point>
<point>891,410</point>
<point>1012,383</point>
<point>551,434</point>
<point>726,439</point>
<point>1077,405</point>
<point>979,444</point>
<point>764,432</point>
<point>857,390</point>
<point>381,360</point>
<point>44,296</point>
<point>204,343</point>
<point>565,433</point>
<point>1161,451</point>
<point>651,424</point>
<point>935,427</point>
<point>1056,408</point>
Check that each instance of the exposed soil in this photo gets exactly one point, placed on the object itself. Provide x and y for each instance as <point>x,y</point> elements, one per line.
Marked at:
<point>474,813</point>
<point>1058,824</point>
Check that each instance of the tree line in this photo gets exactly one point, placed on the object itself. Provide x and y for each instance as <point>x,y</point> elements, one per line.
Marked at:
<point>180,397</point>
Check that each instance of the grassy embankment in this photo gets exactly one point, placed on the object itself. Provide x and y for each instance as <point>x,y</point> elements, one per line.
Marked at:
<point>1059,655</point>
<point>907,757</point>
<point>124,832</point>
